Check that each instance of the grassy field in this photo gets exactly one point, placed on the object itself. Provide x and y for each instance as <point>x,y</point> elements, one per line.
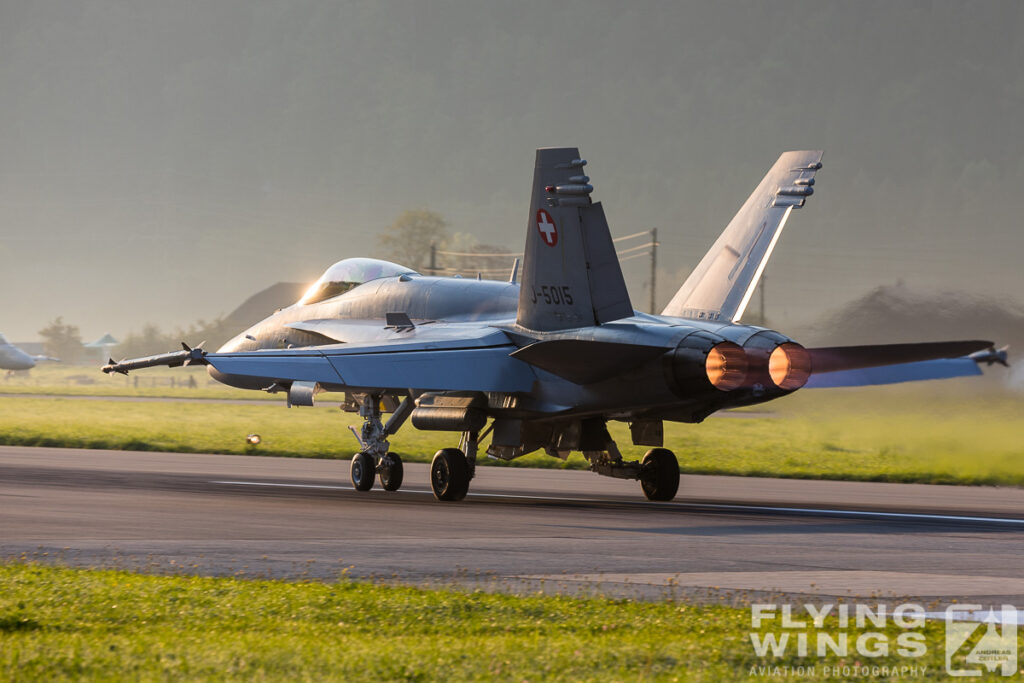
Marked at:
<point>79,380</point>
<point>907,434</point>
<point>58,623</point>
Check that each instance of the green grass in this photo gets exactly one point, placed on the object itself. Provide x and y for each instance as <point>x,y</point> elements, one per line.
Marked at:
<point>58,623</point>
<point>81,380</point>
<point>879,434</point>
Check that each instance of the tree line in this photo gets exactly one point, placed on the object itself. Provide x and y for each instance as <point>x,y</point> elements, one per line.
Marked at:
<point>409,241</point>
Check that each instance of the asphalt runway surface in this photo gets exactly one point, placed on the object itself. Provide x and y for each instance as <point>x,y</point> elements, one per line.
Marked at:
<point>722,539</point>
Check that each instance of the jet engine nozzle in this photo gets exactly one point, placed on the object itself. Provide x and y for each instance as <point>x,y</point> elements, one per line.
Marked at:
<point>789,366</point>
<point>705,362</point>
<point>726,366</point>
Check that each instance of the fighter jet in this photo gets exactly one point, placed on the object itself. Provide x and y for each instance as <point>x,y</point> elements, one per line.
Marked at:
<point>545,364</point>
<point>12,358</point>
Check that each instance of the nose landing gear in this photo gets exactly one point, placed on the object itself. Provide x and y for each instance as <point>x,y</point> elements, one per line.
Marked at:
<point>390,472</point>
<point>374,458</point>
<point>362,471</point>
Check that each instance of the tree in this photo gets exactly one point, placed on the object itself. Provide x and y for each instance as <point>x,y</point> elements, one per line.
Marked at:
<point>466,256</point>
<point>62,341</point>
<point>408,240</point>
<point>151,339</point>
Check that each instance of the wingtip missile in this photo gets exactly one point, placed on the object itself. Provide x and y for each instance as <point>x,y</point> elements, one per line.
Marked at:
<point>187,356</point>
<point>112,366</point>
<point>992,355</point>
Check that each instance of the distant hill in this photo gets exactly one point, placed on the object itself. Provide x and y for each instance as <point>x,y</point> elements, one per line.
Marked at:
<point>263,303</point>
<point>151,339</point>
<point>896,313</point>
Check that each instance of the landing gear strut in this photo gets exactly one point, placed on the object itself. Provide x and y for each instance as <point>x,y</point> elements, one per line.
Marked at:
<point>374,458</point>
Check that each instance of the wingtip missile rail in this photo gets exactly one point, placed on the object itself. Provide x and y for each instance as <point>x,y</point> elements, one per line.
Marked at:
<point>187,356</point>
<point>992,355</point>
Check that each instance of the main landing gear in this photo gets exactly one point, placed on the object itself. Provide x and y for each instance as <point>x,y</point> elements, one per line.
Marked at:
<point>449,474</point>
<point>658,471</point>
<point>453,468</point>
<point>659,474</point>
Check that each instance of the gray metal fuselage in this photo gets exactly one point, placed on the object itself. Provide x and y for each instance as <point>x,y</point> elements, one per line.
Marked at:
<point>13,358</point>
<point>649,389</point>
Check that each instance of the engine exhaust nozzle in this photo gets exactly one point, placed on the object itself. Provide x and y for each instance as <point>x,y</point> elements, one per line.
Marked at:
<point>726,366</point>
<point>789,366</point>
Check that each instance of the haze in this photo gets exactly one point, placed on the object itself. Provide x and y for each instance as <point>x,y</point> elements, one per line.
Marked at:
<point>160,162</point>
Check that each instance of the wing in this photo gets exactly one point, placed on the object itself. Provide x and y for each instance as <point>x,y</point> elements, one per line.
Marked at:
<point>723,282</point>
<point>475,360</point>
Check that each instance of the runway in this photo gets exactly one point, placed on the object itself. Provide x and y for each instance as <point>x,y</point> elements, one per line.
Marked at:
<point>723,538</point>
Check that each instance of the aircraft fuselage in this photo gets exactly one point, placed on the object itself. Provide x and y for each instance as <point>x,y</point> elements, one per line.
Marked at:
<point>13,358</point>
<point>662,382</point>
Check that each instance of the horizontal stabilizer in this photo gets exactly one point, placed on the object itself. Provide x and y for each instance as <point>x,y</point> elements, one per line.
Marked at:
<point>836,358</point>
<point>585,362</point>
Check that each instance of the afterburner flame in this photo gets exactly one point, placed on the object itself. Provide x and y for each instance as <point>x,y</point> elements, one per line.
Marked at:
<point>789,366</point>
<point>726,366</point>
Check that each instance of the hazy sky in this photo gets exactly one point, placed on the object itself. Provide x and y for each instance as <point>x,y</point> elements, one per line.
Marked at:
<point>161,161</point>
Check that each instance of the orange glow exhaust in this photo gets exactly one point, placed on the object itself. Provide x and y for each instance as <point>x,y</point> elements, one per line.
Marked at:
<point>726,366</point>
<point>789,366</point>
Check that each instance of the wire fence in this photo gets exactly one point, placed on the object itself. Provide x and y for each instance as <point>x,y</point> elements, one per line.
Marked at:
<point>485,264</point>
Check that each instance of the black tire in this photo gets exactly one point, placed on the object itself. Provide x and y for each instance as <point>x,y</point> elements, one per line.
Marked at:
<point>660,475</point>
<point>449,474</point>
<point>391,476</point>
<point>363,470</point>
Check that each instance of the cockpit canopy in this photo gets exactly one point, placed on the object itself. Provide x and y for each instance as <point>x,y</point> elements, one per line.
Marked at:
<point>350,273</point>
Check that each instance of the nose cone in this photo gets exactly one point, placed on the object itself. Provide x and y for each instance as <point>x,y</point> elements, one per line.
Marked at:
<point>242,342</point>
<point>239,381</point>
<point>16,359</point>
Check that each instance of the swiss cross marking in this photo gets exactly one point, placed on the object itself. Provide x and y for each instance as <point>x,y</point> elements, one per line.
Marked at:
<point>546,227</point>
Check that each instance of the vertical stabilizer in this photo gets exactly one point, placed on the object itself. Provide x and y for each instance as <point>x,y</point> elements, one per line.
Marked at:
<point>571,273</point>
<point>721,285</point>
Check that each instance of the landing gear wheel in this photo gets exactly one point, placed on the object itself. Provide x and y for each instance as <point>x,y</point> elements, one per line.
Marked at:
<point>659,477</point>
<point>392,474</point>
<point>449,474</point>
<point>362,471</point>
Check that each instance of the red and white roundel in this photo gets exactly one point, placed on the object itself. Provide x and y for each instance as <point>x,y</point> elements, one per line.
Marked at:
<point>547,228</point>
